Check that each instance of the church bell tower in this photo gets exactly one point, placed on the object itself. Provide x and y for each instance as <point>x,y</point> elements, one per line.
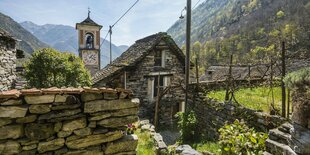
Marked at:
<point>89,43</point>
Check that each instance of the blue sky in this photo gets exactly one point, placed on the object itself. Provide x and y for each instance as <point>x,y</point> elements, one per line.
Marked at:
<point>147,17</point>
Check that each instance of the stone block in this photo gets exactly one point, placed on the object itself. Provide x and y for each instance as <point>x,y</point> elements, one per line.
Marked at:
<point>105,105</point>
<point>10,148</point>
<point>62,134</point>
<point>91,97</point>
<point>117,122</point>
<point>37,131</point>
<point>29,147</point>
<point>93,140</point>
<point>61,151</point>
<point>57,126</point>
<point>5,121</point>
<point>13,111</point>
<point>126,144</point>
<point>51,145</point>
<point>100,131</point>
<point>11,102</point>
<point>83,132</point>
<point>110,96</point>
<point>39,99</point>
<point>11,132</point>
<point>40,109</point>
<point>65,99</point>
<point>27,119</point>
<point>66,106</point>
<point>84,152</point>
<point>74,124</point>
<point>58,114</point>
<point>100,117</point>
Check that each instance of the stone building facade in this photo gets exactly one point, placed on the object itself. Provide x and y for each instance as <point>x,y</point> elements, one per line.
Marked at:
<point>7,61</point>
<point>151,62</point>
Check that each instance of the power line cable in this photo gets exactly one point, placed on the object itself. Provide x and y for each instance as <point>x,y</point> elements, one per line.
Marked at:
<point>196,4</point>
<point>125,13</point>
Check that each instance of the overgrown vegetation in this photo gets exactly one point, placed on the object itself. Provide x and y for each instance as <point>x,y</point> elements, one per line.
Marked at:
<point>212,147</point>
<point>258,98</point>
<point>187,125</point>
<point>50,68</point>
<point>298,79</point>
<point>238,138</point>
<point>146,144</point>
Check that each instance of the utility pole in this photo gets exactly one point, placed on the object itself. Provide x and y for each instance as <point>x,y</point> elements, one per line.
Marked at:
<point>188,44</point>
<point>282,82</point>
<point>110,31</point>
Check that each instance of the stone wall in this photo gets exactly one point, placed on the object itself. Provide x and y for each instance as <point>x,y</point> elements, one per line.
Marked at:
<point>67,121</point>
<point>212,115</point>
<point>7,62</point>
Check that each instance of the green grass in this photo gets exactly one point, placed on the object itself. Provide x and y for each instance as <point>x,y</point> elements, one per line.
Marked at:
<point>146,144</point>
<point>212,147</point>
<point>259,98</point>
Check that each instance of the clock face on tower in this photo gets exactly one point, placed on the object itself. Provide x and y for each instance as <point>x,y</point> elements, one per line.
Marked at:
<point>90,57</point>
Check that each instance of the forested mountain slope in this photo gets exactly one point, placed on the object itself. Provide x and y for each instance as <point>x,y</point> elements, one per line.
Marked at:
<point>28,42</point>
<point>252,30</point>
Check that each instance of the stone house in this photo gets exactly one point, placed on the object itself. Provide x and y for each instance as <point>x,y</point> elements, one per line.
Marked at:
<point>7,61</point>
<point>151,66</point>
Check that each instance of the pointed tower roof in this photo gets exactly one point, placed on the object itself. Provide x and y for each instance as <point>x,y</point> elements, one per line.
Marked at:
<point>89,21</point>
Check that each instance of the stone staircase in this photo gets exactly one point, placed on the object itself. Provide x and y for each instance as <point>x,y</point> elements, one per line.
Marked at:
<point>277,143</point>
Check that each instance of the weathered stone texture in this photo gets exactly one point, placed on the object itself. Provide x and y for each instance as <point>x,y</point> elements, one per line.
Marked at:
<point>36,131</point>
<point>74,124</point>
<point>51,145</point>
<point>62,126</point>
<point>126,144</point>
<point>94,140</point>
<point>13,111</point>
<point>105,105</point>
<point>40,99</point>
<point>117,122</point>
<point>7,62</point>
<point>11,131</point>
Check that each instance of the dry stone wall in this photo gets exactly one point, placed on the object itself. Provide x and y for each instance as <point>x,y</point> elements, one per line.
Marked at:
<point>7,62</point>
<point>67,121</point>
<point>212,115</point>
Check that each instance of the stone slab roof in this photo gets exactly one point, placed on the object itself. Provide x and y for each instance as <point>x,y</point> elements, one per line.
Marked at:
<point>220,73</point>
<point>59,91</point>
<point>136,53</point>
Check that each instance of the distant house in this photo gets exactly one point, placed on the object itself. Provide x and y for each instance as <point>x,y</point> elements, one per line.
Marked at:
<point>220,73</point>
<point>151,61</point>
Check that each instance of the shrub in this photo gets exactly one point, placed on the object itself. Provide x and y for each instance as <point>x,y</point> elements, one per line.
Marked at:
<point>50,68</point>
<point>238,138</point>
<point>299,79</point>
<point>187,125</point>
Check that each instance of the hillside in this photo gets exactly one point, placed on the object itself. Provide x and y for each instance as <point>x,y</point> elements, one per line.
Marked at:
<point>64,38</point>
<point>250,29</point>
<point>28,42</point>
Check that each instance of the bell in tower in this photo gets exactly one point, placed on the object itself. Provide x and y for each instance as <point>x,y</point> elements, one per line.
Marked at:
<point>89,43</point>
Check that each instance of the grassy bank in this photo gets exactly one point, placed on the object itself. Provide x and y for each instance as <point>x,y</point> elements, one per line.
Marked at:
<point>146,145</point>
<point>259,98</point>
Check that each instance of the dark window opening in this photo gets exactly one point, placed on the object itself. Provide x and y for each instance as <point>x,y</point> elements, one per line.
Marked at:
<point>161,85</point>
<point>89,40</point>
<point>158,55</point>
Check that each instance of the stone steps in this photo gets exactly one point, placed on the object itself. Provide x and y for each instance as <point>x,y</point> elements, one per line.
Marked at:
<point>279,136</point>
<point>276,148</point>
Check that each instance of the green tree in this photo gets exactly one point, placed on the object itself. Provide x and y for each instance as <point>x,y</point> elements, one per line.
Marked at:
<point>50,68</point>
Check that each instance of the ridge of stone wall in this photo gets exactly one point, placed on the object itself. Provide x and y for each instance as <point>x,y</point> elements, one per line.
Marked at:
<point>67,121</point>
<point>212,115</point>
